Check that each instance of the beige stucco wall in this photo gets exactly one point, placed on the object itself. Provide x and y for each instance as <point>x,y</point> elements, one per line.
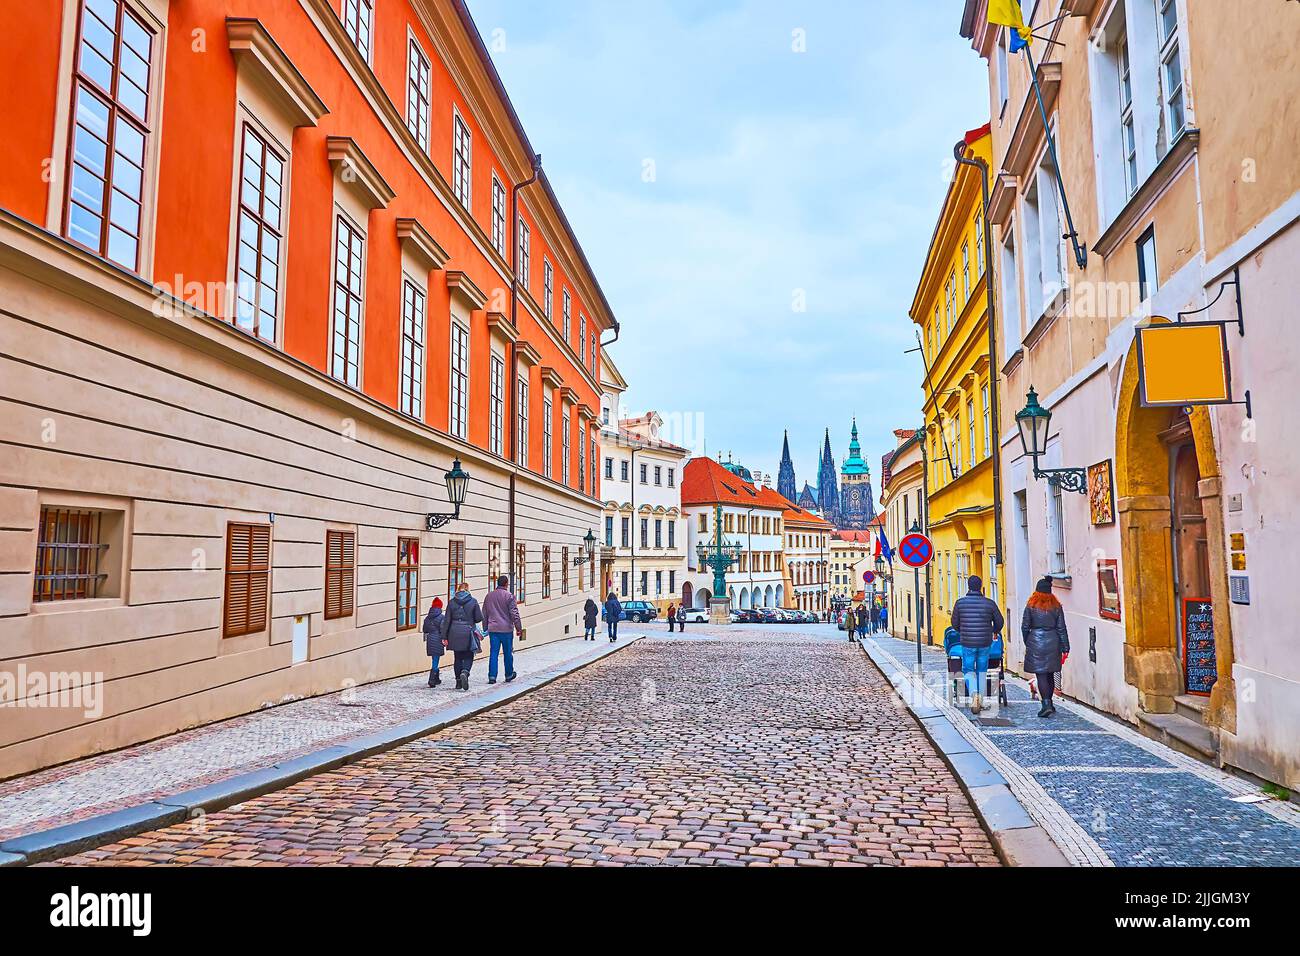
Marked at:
<point>185,425</point>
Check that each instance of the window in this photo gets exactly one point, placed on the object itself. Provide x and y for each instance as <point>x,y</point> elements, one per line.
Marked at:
<point>548,289</point>
<point>965,271</point>
<point>970,430</point>
<point>1171,71</point>
<point>494,563</point>
<point>257,263</point>
<point>548,444</point>
<point>1055,528</point>
<point>1128,133</point>
<point>69,556</point>
<point>461,162</point>
<point>582,338</point>
<point>594,353</point>
<point>672,478</point>
<point>340,574</point>
<point>1148,280</point>
<point>626,540</point>
<point>659,474</point>
<point>672,582</point>
<point>524,265</point>
<point>496,404</point>
<point>110,129</point>
<point>979,243</point>
<point>645,583</point>
<point>659,533</point>
<point>659,583</point>
<point>582,462</point>
<point>357,21</point>
<point>609,469</point>
<point>645,534</point>
<point>456,564</point>
<point>248,575</point>
<point>644,473</point>
<point>417,94</point>
<point>1004,79</point>
<point>988,421</point>
<point>567,315</point>
<point>408,582</point>
<point>1043,236</point>
<point>521,420</point>
<point>546,571</point>
<point>992,579</point>
<point>412,397</point>
<point>349,265</point>
<point>623,467</point>
<point>498,215</point>
<point>565,449</point>
<point>593,466</point>
<point>564,571</point>
<point>459,411</point>
<point>521,573</point>
<point>1010,294</point>
<point>703,523</point>
<point>609,531</point>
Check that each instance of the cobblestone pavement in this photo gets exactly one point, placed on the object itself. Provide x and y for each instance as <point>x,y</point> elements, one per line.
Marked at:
<point>1110,796</point>
<point>194,758</point>
<point>753,748</point>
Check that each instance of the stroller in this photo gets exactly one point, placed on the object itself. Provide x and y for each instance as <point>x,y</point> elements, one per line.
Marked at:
<point>956,676</point>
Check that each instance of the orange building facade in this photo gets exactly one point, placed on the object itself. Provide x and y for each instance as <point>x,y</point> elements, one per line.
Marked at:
<point>266,271</point>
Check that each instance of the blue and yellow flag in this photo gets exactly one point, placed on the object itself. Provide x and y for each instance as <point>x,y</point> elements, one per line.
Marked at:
<point>1006,13</point>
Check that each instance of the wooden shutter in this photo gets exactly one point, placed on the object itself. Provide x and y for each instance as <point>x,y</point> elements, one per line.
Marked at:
<point>340,574</point>
<point>248,573</point>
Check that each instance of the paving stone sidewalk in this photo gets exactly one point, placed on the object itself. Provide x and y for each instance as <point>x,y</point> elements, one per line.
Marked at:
<point>1112,797</point>
<point>193,758</point>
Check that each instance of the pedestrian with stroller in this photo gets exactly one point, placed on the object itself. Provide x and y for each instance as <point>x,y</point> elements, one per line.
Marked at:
<point>433,643</point>
<point>461,632</point>
<point>589,615</point>
<point>1047,644</point>
<point>501,618</point>
<point>976,619</point>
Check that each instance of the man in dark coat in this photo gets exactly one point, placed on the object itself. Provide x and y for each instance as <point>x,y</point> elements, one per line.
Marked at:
<point>433,645</point>
<point>589,615</point>
<point>613,611</point>
<point>977,619</point>
<point>460,627</point>
<point>1047,645</point>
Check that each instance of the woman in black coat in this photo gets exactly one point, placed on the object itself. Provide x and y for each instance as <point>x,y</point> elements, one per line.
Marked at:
<point>1047,645</point>
<point>460,629</point>
<point>589,615</point>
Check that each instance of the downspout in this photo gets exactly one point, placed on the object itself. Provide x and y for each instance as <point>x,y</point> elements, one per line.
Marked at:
<point>512,389</point>
<point>995,424</point>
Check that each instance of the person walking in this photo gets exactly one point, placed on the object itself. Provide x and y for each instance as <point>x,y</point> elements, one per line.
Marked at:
<point>1047,645</point>
<point>977,619</point>
<point>672,617</point>
<point>613,611</point>
<point>681,619</point>
<point>589,615</point>
<point>864,620</point>
<point>884,618</point>
<point>501,618</point>
<point>849,623</point>
<point>460,630</point>
<point>433,645</point>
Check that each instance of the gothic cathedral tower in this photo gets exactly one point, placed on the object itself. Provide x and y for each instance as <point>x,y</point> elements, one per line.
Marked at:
<point>785,486</point>
<point>828,496</point>
<point>856,505</point>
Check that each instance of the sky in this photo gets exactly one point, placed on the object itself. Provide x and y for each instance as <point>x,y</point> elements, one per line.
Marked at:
<point>755,183</point>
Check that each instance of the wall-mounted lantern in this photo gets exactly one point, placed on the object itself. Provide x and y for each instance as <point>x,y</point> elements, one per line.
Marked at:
<point>588,550</point>
<point>457,480</point>
<point>1033,421</point>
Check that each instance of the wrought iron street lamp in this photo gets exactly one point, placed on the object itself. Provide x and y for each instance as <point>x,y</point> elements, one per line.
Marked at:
<point>457,480</point>
<point>1032,421</point>
<point>588,550</point>
<point>719,557</point>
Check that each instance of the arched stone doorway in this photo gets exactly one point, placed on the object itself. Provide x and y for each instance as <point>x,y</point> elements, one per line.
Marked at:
<point>705,596</point>
<point>767,596</point>
<point>744,597</point>
<point>687,594</point>
<point>1167,490</point>
<point>780,595</point>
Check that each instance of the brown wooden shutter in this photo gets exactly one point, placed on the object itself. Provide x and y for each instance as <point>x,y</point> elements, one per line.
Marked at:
<point>248,572</point>
<point>340,573</point>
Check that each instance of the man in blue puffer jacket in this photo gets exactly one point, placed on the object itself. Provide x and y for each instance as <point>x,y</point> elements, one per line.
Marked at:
<point>977,619</point>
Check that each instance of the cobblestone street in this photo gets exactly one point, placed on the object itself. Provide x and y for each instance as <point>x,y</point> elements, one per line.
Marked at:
<point>759,748</point>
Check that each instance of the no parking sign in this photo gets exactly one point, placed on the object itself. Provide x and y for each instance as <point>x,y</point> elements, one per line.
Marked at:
<point>916,550</point>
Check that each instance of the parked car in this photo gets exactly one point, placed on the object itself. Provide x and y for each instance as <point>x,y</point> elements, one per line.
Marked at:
<point>697,615</point>
<point>769,615</point>
<point>639,611</point>
<point>746,615</point>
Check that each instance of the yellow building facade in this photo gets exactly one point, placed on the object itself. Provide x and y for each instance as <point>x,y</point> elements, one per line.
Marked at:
<point>950,309</point>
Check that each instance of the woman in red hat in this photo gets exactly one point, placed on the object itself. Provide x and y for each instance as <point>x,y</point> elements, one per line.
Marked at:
<point>433,642</point>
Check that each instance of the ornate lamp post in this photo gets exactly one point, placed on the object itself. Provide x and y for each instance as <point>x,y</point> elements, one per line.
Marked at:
<point>1032,421</point>
<point>721,557</point>
<point>457,480</point>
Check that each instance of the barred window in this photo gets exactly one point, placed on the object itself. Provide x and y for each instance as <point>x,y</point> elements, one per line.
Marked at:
<point>408,582</point>
<point>110,129</point>
<point>340,574</point>
<point>70,555</point>
<point>248,573</point>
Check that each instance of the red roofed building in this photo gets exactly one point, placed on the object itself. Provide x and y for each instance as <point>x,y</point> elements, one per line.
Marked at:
<point>807,557</point>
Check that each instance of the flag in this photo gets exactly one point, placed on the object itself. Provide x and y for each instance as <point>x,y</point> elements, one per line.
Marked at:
<point>883,548</point>
<point>1006,13</point>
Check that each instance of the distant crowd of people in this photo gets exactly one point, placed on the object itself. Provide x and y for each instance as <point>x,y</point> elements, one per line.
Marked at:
<point>866,619</point>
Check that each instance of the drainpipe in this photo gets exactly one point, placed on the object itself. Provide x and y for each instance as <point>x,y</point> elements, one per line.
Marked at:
<point>512,388</point>
<point>994,440</point>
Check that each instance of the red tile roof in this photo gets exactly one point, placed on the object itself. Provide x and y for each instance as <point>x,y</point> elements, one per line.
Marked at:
<point>705,482</point>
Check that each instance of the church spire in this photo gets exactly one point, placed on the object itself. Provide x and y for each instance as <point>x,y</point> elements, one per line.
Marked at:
<point>828,494</point>
<point>785,483</point>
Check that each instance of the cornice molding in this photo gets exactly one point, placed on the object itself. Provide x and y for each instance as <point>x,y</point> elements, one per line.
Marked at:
<point>259,58</point>
<point>463,286</point>
<point>568,395</point>
<point>1022,147</point>
<point>1002,199</point>
<point>551,377</point>
<point>527,355</point>
<point>418,241</point>
<point>499,326</point>
<point>355,170</point>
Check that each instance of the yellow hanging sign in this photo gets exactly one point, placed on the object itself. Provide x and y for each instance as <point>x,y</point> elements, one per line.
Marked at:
<point>1184,363</point>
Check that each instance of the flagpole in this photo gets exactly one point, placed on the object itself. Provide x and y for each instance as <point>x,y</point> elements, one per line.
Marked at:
<point>1080,251</point>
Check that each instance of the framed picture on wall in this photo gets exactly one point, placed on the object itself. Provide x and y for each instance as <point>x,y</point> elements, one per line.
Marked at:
<point>1108,589</point>
<point>1101,493</point>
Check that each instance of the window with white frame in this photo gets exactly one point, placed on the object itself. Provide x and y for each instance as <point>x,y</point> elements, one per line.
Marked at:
<point>548,416</point>
<point>462,162</point>
<point>965,271</point>
<point>458,417</point>
<point>498,215</point>
<point>567,315</point>
<point>1127,128</point>
<point>412,395</point>
<point>979,243</point>
<point>582,462</point>
<point>1055,529</point>
<point>496,404</point>
<point>521,420</point>
<point>349,272</point>
<point>988,419</point>
<point>1004,78</point>
<point>1148,279</point>
<point>1171,72</point>
<point>1044,267</point>
<point>111,120</point>
<point>417,93</point>
<point>524,265</point>
<point>260,236</point>
<point>565,447</point>
<point>358,23</point>
<point>582,338</point>
<point>548,289</point>
<point>1011,322</point>
<point>970,432</point>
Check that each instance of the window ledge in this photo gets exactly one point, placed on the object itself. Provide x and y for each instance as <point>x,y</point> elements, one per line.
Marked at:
<point>1169,168</point>
<point>1062,580</point>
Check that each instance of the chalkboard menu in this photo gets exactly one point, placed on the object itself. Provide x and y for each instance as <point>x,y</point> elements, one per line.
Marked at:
<point>1198,645</point>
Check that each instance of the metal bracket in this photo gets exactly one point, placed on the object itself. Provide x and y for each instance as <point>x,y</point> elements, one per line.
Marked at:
<point>435,521</point>
<point>1235,282</point>
<point>1067,479</point>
